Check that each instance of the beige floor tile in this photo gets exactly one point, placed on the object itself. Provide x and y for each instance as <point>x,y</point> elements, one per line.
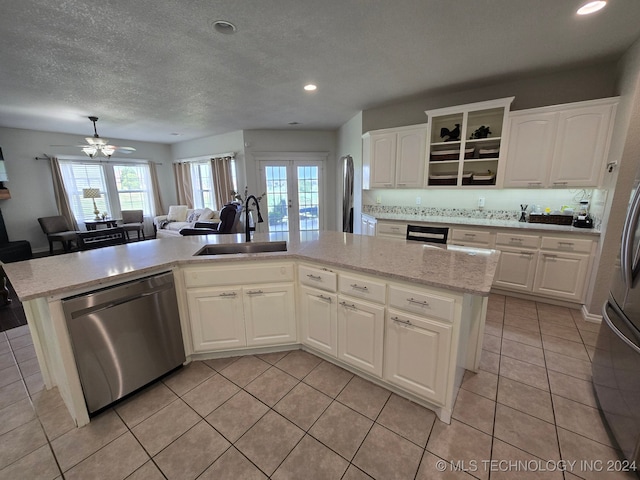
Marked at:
<point>582,419</point>
<point>328,378</point>
<point>34,383</point>
<point>38,464</point>
<point>364,397</point>
<point>17,332</point>
<point>25,353</point>
<point>572,388</point>
<point>56,421</point>
<point>589,338</point>
<point>384,454</point>
<point>311,460</point>
<point>271,386</point>
<point>20,342</point>
<point>583,325</point>
<point>210,394</point>
<point>483,383</point>
<point>491,343</point>
<point>245,369</point>
<point>460,442</point>
<point>9,375</point>
<point>489,361</point>
<point>528,433</point>
<point>237,415</point>
<point>145,403</point>
<point>568,333</point>
<point>148,471</point>
<point>522,352</point>
<point>118,459</point>
<point>526,399</point>
<point>341,429</point>
<point>164,426</point>
<point>188,377</point>
<point>590,351</point>
<point>523,322</point>
<point>265,449</point>
<point>12,393</point>
<point>565,347</point>
<point>78,443</point>
<point>521,310</point>
<point>20,442</point>
<point>273,358</point>
<point>192,453</point>
<point>298,363</point>
<point>303,405</point>
<point>354,473</point>
<point>16,414</point>
<point>46,400</point>
<point>407,419</point>
<point>568,365</point>
<point>29,367</point>
<point>584,452</point>
<point>219,364</point>
<point>475,410</point>
<point>523,372</point>
<point>431,468</point>
<point>510,469</point>
<point>520,335</point>
<point>493,328</point>
<point>232,465</point>
<point>7,360</point>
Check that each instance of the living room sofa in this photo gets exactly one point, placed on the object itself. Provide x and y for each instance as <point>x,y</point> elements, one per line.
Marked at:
<point>180,216</point>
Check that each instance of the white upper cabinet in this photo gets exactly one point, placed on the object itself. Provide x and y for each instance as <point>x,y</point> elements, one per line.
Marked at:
<point>394,158</point>
<point>560,146</point>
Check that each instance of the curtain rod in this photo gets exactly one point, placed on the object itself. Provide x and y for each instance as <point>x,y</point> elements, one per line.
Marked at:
<point>205,157</point>
<point>99,160</point>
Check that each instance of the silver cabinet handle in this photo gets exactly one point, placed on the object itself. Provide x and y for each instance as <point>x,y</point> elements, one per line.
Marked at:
<point>314,277</point>
<point>533,184</point>
<point>225,294</point>
<point>568,244</point>
<point>548,255</point>
<point>529,254</point>
<point>400,184</point>
<point>403,322</point>
<point>394,228</point>
<point>560,183</point>
<point>359,287</point>
<point>322,297</point>
<point>348,305</point>
<point>469,234</point>
<point>255,292</point>
<point>423,303</point>
<point>515,239</point>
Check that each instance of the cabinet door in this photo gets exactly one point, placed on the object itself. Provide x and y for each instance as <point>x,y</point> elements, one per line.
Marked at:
<point>561,275</point>
<point>530,150</point>
<point>269,312</point>
<point>319,320</point>
<point>410,158</point>
<point>417,354</point>
<point>383,160</point>
<point>516,269</point>
<point>583,139</point>
<point>360,334</point>
<point>216,317</point>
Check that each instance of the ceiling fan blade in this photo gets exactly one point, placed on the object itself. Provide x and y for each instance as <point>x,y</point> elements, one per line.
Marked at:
<point>124,149</point>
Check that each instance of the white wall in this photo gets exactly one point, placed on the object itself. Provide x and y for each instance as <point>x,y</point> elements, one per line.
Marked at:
<point>350,143</point>
<point>30,181</point>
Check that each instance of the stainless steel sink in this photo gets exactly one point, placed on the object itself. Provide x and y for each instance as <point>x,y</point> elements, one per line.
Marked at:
<point>249,247</point>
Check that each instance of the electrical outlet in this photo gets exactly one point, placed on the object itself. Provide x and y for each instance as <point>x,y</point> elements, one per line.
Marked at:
<point>418,200</point>
<point>481,202</point>
<point>378,200</point>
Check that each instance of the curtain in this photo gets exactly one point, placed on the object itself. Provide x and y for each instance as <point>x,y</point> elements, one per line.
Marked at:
<point>222,180</point>
<point>155,187</point>
<point>347,195</point>
<point>182,173</point>
<point>62,200</point>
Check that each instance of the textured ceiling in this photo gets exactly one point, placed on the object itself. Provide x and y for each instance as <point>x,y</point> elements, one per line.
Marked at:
<point>150,68</point>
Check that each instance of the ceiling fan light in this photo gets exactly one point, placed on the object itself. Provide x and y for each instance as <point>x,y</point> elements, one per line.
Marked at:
<point>90,150</point>
<point>108,150</point>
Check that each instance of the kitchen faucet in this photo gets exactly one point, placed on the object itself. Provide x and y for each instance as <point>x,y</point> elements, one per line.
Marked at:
<point>246,216</point>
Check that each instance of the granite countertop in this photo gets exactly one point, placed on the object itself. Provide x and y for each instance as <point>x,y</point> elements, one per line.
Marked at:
<point>486,222</point>
<point>454,268</point>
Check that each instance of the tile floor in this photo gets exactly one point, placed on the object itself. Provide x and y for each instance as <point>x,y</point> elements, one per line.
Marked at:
<point>292,415</point>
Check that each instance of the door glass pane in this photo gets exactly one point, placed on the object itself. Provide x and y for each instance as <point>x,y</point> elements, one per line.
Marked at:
<point>308,198</point>
<point>277,198</point>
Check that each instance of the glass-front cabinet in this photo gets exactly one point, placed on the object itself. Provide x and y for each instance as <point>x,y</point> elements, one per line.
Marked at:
<point>465,144</point>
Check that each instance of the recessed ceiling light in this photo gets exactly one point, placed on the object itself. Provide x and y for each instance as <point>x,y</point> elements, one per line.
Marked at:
<point>310,87</point>
<point>224,27</point>
<point>591,7</point>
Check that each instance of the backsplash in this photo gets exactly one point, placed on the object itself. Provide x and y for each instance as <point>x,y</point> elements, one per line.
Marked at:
<point>442,212</point>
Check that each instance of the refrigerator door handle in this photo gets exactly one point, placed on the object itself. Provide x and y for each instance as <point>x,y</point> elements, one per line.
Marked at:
<point>626,248</point>
<point>615,329</point>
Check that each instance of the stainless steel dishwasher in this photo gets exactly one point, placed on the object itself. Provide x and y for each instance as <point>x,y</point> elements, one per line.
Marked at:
<point>124,337</point>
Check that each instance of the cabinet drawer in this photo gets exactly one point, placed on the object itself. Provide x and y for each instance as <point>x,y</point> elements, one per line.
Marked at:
<point>318,278</point>
<point>422,303</point>
<point>237,274</point>
<point>471,236</point>
<point>518,240</point>
<point>567,244</point>
<point>399,230</point>
<point>362,288</point>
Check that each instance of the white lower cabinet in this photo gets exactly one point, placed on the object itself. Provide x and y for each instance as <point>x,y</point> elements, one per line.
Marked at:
<point>561,275</point>
<point>269,314</point>
<point>417,355</point>
<point>516,269</point>
<point>319,320</point>
<point>360,334</point>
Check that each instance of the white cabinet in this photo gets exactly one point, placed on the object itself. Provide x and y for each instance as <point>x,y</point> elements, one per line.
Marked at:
<point>560,146</point>
<point>319,320</point>
<point>368,225</point>
<point>360,334</point>
<point>394,158</point>
<point>471,238</point>
<point>269,314</point>
<point>391,229</point>
<point>518,260</point>
<point>473,155</point>
<point>217,318</point>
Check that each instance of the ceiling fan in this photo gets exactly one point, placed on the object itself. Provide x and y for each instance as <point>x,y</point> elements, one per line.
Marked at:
<point>99,146</point>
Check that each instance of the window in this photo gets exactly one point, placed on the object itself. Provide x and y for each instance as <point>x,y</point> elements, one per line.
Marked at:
<point>202,184</point>
<point>122,187</point>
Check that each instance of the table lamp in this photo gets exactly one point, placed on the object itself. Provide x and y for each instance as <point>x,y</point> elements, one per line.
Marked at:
<point>92,193</point>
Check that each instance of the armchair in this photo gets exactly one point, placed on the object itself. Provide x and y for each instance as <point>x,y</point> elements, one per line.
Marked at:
<point>57,229</point>
<point>132,222</point>
<point>229,219</point>
<point>12,251</point>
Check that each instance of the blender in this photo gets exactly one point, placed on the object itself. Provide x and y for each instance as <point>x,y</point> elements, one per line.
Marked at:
<point>583,218</point>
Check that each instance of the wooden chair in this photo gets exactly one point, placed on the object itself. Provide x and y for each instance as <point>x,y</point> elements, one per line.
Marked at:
<point>427,234</point>
<point>101,238</point>
<point>132,222</point>
<point>57,229</point>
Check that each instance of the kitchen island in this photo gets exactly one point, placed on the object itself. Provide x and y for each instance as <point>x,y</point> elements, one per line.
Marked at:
<point>445,305</point>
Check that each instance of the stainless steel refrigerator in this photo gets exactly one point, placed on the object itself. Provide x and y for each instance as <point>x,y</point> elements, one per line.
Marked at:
<point>616,363</point>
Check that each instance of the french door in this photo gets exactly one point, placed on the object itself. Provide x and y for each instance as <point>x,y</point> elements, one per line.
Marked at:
<point>294,194</point>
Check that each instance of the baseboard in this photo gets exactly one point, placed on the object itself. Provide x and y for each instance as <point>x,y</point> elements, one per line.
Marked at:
<point>536,298</point>
<point>590,317</point>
